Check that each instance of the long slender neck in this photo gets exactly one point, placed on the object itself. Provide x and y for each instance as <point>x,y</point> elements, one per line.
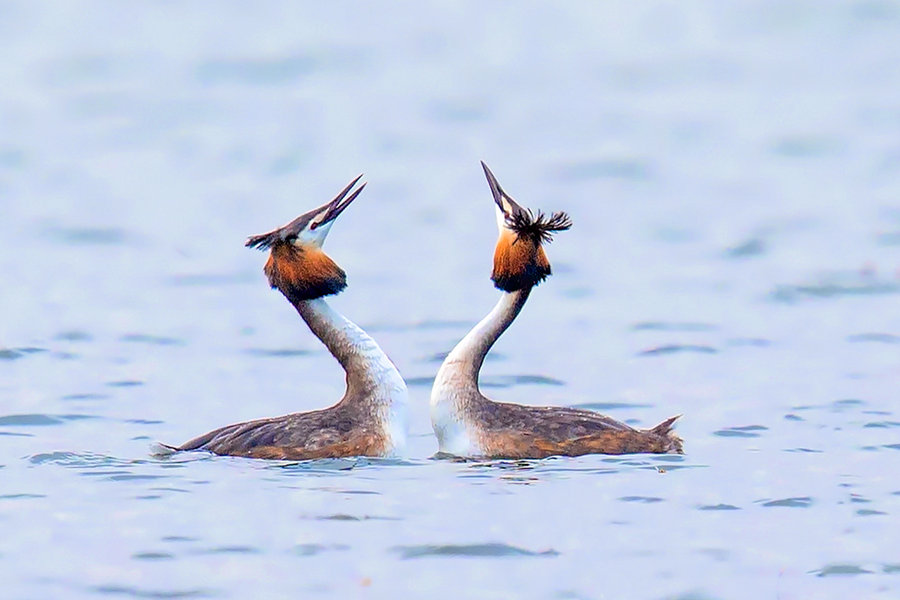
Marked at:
<point>370,373</point>
<point>461,367</point>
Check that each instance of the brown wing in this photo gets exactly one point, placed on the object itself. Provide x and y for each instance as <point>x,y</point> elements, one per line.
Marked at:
<point>357,443</point>
<point>520,444</point>
<point>552,422</point>
<point>328,433</point>
<point>515,431</point>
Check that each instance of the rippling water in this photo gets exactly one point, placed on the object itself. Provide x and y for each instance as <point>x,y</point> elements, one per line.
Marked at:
<point>733,172</point>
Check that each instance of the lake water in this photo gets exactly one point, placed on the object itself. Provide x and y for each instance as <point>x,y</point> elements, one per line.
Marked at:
<point>733,174</point>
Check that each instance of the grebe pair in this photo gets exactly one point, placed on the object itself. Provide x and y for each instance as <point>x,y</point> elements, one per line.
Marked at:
<point>370,420</point>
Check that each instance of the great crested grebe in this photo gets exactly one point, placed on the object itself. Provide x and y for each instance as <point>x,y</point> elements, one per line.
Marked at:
<point>370,420</point>
<point>467,423</point>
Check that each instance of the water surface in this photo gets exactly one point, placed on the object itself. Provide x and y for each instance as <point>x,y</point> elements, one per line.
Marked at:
<point>732,173</point>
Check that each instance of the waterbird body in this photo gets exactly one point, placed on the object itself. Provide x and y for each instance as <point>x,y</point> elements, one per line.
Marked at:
<point>370,420</point>
<point>469,424</point>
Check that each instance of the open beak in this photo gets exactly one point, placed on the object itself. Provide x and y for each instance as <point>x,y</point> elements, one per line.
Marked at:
<point>340,202</point>
<point>504,203</point>
<point>306,224</point>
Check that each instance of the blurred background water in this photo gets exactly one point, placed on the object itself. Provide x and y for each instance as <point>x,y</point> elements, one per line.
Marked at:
<point>733,173</point>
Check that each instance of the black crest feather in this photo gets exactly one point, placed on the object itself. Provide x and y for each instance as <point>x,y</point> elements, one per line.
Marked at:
<point>538,227</point>
<point>265,241</point>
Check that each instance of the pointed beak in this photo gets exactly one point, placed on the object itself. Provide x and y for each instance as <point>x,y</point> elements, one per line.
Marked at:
<point>504,203</point>
<point>340,203</point>
<point>305,225</point>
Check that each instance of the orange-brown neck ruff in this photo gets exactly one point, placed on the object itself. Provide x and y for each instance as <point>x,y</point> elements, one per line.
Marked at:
<point>519,263</point>
<point>303,273</point>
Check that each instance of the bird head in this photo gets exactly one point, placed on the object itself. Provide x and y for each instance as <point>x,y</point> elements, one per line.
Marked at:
<point>297,265</point>
<point>519,258</point>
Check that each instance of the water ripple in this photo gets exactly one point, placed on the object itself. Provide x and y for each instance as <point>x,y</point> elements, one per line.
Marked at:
<point>677,349</point>
<point>276,352</point>
<point>883,338</point>
<point>16,353</point>
<point>642,499</point>
<point>21,496</point>
<point>673,326</point>
<point>156,340</point>
<point>718,507</point>
<point>84,236</point>
<point>833,289</point>
<point>152,556</point>
<point>133,592</point>
<point>237,549</point>
<point>746,249</point>
<point>489,550</point>
<point>125,383</point>
<point>314,549</point>
<point>746,431</point>
<point>41,419</point>
<point>83,460</point>
<point>795,502</point>
<point>840,569</point>
<point>74,335</point>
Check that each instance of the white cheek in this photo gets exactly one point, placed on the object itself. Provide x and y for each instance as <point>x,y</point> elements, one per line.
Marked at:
<point>315,237</point>
<point>501,218</point>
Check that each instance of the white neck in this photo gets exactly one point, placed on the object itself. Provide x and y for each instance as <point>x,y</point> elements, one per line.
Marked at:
<point>456,384</point>
<point>372,379</point>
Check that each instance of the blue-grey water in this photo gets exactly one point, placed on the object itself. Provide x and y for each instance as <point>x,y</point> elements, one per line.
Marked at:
<point>733,173</point>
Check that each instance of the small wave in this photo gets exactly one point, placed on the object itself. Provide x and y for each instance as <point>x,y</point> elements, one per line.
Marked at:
<point>82,460</point>
<point>276,352</point>
<point>89,236</point>
<point>840,569</point>
<point>156,340</point>
<point>346,517</point>
<point>74,335</point>
<point>17,353</point>
<point>856,286</point>
<point>746,431</point>
<point>718,507</point>
<point>9,354</point>
<point>152,556</point>
<point>314,549</point>
<point>85,396</point>
<point>37,419</point>
<point>795,502</point>
<point>747,249</point>
<point>489,550</point>
<point>677,349</point>
<point>125,383</point>
<point>673,326</point>
<point>882,424</point>
<point>642,499</point>
<point>21,496</point>
<point>134,592</point>
<point>237,549</point>
<point>883,338</point>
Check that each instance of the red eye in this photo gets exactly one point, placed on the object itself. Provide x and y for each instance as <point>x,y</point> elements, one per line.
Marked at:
<point>313,226</point>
